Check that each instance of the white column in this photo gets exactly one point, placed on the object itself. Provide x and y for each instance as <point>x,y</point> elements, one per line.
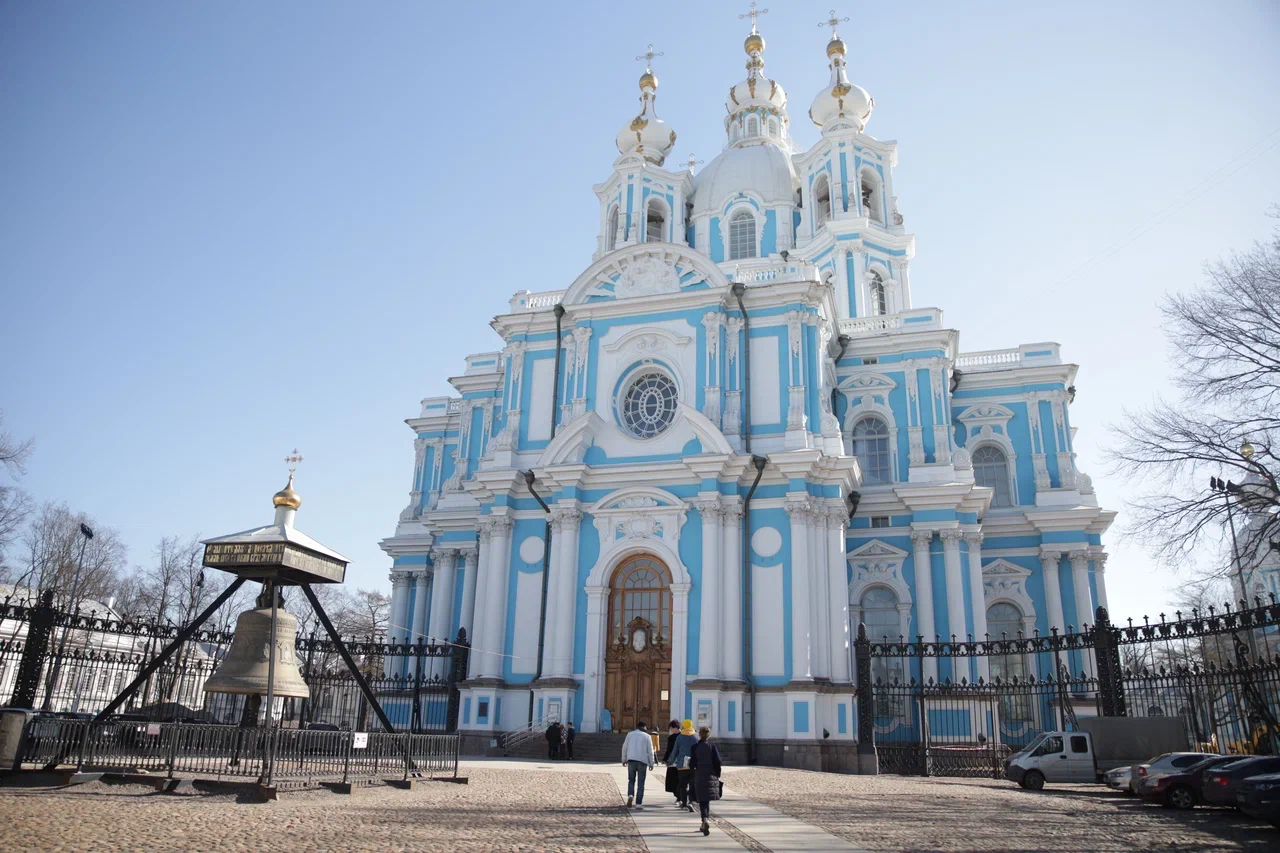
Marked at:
<point>978,600</point>
<point>838,595</point>
<point>495,615</point>
<point>1084,602</point>
<point>399,606</point>
<point>731,660</point>
<point>1099,577</point>
<point>483,573</point>
<point>841,282</point>
<point>955,597</point>
<point>420,596</point>
<point>920,542</point>
<point>553,598</point>
<point>466,620</point>
<point>568,522</point>
<point>712,572</point>
<point>819,613</point>
<point>440,626</point>
<point>1052,591</point>
<point>801,653</point>
<point>679,647</point>
<point>593,675</point>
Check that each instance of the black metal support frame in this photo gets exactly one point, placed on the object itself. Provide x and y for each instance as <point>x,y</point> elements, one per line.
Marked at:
<point>346,657</point>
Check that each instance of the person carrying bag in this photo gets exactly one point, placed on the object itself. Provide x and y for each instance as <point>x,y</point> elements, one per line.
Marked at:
<point>705,763</point>
<point>680,755</point>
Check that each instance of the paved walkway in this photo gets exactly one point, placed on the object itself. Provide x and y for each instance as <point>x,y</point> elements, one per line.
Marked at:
<point>665,828</point>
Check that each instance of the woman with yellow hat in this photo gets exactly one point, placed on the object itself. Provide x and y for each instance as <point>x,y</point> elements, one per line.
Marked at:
<point>680,757</point>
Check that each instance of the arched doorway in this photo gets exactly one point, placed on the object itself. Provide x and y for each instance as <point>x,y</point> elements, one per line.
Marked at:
<point>638,655</point>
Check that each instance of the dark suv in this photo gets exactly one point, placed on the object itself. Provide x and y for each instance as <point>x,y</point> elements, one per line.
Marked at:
<point>1220,784</point>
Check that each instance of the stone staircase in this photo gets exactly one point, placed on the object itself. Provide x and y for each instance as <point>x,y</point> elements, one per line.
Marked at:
<point>586,747</point>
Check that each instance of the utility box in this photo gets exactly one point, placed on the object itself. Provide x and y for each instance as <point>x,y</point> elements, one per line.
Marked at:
<point>13,725</point>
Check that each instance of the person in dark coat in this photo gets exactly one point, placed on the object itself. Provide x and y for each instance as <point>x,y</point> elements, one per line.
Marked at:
<point>705,762</point>
<point>673,775</point>
<point>553,740</point>
<point>680,753</point>
<point>569,734</point>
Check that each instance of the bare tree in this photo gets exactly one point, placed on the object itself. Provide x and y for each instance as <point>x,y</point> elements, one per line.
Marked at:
<point>15,504</point>
<point>1225,344</point>
<point>53,539</point>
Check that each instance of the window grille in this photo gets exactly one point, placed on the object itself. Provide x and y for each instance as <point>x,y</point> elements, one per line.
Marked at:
<point>991,469</point>
<point>649,406</point>
<point>742,236</point>
<point>879,305</point>
<point>871,446</point>
<point>822,200</point>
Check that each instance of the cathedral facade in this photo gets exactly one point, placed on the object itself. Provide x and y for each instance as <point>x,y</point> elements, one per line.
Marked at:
<point>675,487</point>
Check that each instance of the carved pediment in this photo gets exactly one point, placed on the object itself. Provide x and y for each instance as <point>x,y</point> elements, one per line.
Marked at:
<point>647,269</point>
<point>986,413</point>
<point>868,383</point>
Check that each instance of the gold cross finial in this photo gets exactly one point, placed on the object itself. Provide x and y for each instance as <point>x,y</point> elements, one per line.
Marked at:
<point>833,22</point>
<point>693,162</point>
<point>752,15</point>
<point>292,461</point>
<point>648,56</point>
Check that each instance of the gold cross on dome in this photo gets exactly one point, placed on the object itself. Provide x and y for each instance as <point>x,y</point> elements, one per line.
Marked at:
<point>648,56</point>
<point>752,15</point>
<point>292,460</point>
<point>693,162</point>
<point>833,22</point>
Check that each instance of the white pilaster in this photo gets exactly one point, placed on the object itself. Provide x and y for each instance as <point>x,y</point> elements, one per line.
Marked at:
<point>1099,577</point>
<point>820,630</point>
<point>978,600</point>
<point>495,617</point>
<point>1052,591</point>
<point>399,607</point>
<point>920,541</point>
<point>841,282</point>
<point>593,682</point>
<point>801,628</point>
<point>1084,603</point>
<point>955,596</point>
<point>467,618</point>
<point>838,595</point>
<point>422,593</point>
<point>679,647</point>
<point>712,571</point>
<point>731,651</point>
<point>440,626</point>
<point>567,518</point>
<point>553,599</point>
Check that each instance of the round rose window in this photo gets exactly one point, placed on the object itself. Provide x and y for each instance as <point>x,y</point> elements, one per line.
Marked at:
<point>649,406</point>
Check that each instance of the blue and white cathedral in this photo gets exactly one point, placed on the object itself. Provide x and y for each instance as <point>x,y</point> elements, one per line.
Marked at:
<point>748,439</point>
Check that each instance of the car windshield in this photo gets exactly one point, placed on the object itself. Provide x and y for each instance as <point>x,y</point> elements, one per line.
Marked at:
<point>1206,763</point>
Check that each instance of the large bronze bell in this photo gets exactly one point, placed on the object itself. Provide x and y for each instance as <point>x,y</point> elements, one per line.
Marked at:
<point>244,669</point>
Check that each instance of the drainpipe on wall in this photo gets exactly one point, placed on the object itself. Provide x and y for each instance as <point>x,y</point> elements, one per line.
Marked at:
<point>558,311</point>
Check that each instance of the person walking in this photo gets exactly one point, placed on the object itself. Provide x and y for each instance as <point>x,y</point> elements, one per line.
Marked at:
<point>637,757</point>
<point>553,740</point>
<point>673,775</point>
<point>569,734</point>
<point>680,755</point>
<point>705,763</point>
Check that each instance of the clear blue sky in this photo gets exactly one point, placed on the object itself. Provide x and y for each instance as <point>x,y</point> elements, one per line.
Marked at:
<point>232,228</point>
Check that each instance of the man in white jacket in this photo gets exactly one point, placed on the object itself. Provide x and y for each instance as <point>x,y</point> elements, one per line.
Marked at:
<point>637,757</point>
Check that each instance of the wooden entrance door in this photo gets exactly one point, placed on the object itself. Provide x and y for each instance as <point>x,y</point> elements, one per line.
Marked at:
<point>638,658</point>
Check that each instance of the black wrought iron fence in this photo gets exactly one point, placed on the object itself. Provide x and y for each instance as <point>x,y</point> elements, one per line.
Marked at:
<point>414,682</point>
<point>1219,671</point>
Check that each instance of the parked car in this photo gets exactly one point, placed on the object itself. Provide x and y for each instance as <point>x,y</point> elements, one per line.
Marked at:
<point>1220,784</point>
<point>1163,765</point>
<point>1259,796</point>
<point>322,727</point>
<point>1182,790</point>
<point>1118,779</point>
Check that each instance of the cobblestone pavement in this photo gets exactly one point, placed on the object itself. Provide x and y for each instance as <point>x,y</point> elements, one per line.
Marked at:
<point>898,813</point>
<point>520,810</point>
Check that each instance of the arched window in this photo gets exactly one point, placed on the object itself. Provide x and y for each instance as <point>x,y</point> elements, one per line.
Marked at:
<point>773,126</point>
<point>611,238</point>
<point>821,200</point>
<point>991,469</point>
<point>753,126</point>
<point>879,612</point>
<point>871,196</point>
<point>655,221</point>
<point>1004,622</point>
<point>641,590</point>
<point>871,446</point>
<point>875,291</point>
<point>742,236</point>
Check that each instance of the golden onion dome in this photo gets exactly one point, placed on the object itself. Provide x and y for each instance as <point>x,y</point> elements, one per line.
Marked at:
<point>287,497</point>
<point>836,45</point>
<point>754,42</point>
<point>648,80</point>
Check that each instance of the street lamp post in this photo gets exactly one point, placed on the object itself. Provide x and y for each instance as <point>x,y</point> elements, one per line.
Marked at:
<point>86,533</point>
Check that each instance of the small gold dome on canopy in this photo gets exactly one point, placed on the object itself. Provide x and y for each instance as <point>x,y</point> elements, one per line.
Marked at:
<point>647,79</point>
<point>754,42</point>
<point>287,496</point>
<point>836,45</point>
